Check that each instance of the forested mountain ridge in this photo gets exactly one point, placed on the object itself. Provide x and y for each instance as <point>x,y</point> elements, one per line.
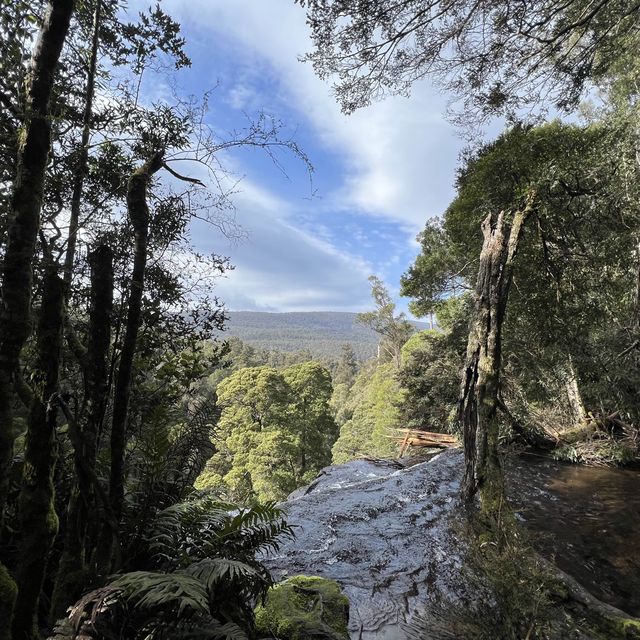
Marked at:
<point>320,332</point>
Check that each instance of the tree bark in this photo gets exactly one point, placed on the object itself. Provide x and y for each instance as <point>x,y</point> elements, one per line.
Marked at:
<point>80,170</point>
<point>26,204</point>
<point>139,216</point>
<point>33,151</point>
<point>478,403</point>
<point>574,397</point>
<point>73,570</point>
<point>37,516</point>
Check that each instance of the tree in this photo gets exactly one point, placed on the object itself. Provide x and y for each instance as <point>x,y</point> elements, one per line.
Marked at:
<point>139,214</point>
<point>372,414</point>
<point>275,431</point>
<point>478,404</point>
<point>316,430</point>
<point>430,375</point>
<point>393,329</point>
<point>496,58</point>
<point>135,311</point>
<point>347,367</point>
<point>551,376</point>
<point>15,320</point>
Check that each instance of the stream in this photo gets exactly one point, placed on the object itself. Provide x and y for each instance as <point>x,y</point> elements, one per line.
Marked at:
<point>585,518</point>
<point>386,532</point>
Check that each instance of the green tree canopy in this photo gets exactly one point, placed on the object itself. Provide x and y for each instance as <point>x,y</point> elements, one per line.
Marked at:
<point>275,431</point>
<point>373,414</point>
<point>495,57</point>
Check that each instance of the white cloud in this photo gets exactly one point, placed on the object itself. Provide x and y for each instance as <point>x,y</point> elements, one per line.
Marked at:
<point>280,267</point>
<point>397,159</point>
<point>400,153</point>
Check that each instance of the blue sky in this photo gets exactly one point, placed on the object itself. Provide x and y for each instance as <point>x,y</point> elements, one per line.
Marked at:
<point>379,173</point>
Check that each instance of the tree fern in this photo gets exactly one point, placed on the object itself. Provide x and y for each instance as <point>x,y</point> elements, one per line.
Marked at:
<point>204,580</point>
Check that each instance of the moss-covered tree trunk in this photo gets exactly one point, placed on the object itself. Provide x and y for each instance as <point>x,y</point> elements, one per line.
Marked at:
<point>26,204</point>
<point>37,516</point>
<point>139,215</point>
<point>73,569</point>
<point>479,396</point>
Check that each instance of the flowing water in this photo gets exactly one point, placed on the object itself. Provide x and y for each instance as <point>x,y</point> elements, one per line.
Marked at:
<point>389,534</point>
<point>588,519</point>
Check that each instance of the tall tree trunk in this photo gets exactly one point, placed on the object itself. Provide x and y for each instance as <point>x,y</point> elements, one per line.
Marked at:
<point>479,398</point>
<point>73,570</point>
<point>139,216</point>
<point>26,204</point>
<point>574,397</point>
<point>80,169</point>
<point>38,519</point>
<point>635,323</point>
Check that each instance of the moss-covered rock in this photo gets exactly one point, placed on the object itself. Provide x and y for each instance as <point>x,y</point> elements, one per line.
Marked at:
<point>304,608</point>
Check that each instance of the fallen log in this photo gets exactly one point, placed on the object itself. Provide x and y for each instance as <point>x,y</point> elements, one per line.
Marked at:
<point>423,439</point>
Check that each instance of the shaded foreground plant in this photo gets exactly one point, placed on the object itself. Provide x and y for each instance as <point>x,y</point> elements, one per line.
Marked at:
<point>203,578</point>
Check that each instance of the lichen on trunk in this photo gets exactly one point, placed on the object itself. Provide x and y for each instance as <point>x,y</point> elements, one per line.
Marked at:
<point>22,232</point>
<point>138,210</point>
<point>74,566</point>
<point>479,394</point>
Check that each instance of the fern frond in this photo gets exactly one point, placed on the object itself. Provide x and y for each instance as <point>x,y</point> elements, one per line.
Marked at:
<point>257,529</point>
<point>203,528</point>
<point>172,593</point>
<point>212,571</point>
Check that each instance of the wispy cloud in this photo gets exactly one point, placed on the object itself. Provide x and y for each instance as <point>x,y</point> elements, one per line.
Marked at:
<point>383,170</point>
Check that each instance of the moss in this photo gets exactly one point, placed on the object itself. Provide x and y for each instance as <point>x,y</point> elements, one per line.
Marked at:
<point>8,594</point>
<point>304,607</point>
<point>623,628</point>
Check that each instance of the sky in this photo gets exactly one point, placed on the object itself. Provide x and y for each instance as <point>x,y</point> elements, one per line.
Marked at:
<point>379,174</point>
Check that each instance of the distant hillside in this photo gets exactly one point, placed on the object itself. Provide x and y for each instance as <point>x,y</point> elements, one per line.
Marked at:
<point>320,332</point>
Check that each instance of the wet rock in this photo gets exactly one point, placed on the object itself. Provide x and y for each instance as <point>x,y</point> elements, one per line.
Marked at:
<point>390,535</point>
<point>386,534</point>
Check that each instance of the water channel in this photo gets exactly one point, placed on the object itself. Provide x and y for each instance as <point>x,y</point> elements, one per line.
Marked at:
<point>587,519</point>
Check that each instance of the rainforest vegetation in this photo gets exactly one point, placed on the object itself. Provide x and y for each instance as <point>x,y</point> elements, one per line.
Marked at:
<point>142,454</point>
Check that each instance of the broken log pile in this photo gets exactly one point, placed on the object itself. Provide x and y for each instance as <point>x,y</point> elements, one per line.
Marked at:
<point>421,439</point>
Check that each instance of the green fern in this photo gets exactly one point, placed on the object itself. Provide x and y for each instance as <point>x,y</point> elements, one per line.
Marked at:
<point>205,579</point>
<point>204,528</point>
<point>172,593</point>
<point>212,571</point>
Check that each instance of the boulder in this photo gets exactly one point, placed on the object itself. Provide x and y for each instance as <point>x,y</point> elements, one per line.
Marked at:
<point>304,608</point>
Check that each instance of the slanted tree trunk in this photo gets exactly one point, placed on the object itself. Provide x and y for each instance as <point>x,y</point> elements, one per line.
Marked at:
<point>80,169</point>
<point>37,516</point>
<point>139,216</point>
<point>73,570</point>
<point>479,399</point>
<point>26,204</point>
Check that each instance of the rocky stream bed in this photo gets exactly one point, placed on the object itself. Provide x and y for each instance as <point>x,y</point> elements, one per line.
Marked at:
<point>387,533</point>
